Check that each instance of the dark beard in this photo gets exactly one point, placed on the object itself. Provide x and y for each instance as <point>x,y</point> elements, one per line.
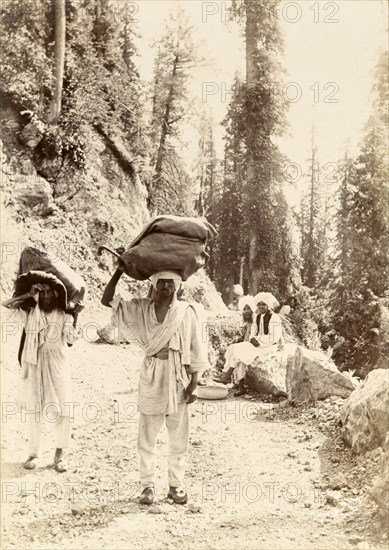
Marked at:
<point>48,308</point>
<point>248,318</point>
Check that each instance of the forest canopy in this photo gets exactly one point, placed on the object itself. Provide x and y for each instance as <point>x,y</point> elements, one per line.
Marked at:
<point>71,66</point>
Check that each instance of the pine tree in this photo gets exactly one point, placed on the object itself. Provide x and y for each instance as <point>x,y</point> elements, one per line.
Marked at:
<point>101,86</point>
<point>361,289</point>
<point>369,217</point>
<point>314,220</point>
<point>207,166</point>
<point>176,56</point>
<point>267,220</point>
<point>344,231</point>
<point>209,172</point>
<point>227,202</point>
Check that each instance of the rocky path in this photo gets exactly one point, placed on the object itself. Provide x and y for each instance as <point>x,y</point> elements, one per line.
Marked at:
<point>259,475</point>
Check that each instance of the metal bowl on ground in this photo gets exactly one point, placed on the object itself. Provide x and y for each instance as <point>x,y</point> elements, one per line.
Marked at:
<point>212,392</point>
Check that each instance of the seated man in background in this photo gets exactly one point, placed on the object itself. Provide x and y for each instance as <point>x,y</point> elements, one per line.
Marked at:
<point>248,307</point>
<point>265,333</point>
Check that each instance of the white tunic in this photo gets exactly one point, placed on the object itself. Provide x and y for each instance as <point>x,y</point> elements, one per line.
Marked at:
<point>246,352</point>
<point>162,383</point>
<point>45,373</point>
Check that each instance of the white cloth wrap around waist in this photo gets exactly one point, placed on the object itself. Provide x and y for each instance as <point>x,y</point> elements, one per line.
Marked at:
<point>161,381</point>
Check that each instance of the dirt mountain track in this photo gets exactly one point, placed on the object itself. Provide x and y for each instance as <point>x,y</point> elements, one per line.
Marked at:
<point>258,477</point>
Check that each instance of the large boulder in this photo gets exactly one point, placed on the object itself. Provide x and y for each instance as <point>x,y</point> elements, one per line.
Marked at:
<point>364,415</point>
<point>267,374</point>
<point>380,489</point>
<point>312,376</point>
<point>33,191</point>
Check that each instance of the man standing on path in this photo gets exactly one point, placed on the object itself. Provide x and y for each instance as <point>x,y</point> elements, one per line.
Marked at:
<point>45,373</point>
<point>168,331</point>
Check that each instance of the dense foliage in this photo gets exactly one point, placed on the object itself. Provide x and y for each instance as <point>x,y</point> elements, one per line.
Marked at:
<point>255,224</point>
<point>169,186</point>
<point>360,284</point>
<point>339,254</point>
<point>101,85</point>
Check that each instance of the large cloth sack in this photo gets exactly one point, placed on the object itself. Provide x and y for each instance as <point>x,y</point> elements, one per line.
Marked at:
<point>192,228</point>
<point>168,243</point>
<point>34,260</point>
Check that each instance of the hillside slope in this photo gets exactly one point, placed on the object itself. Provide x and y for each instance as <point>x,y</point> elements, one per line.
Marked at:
<point>71,212</point>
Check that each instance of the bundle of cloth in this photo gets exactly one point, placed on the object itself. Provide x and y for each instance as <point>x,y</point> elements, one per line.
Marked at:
<point>38,266</point>
<point>168,243</point>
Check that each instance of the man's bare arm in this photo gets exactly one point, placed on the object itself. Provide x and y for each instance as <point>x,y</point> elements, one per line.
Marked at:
<point>109,291</point>
<point>13,303</point>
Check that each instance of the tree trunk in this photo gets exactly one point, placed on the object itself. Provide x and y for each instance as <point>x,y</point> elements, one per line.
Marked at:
<point>251,74</point>
<point>164,131</point>
<point>311,256</point>
<point>59,60</point>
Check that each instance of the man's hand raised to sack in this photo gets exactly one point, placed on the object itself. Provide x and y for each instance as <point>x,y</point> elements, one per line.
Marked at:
<point>37,287</point>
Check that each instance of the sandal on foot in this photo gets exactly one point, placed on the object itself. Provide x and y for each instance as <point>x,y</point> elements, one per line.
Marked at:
<point>29,464</point>
<point>147,496</point>
<point>59,466</point>
<point>239,392</point>
<point>177,495</point>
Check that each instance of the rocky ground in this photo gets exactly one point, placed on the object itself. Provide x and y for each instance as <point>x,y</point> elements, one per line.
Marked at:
<point>260,474</point>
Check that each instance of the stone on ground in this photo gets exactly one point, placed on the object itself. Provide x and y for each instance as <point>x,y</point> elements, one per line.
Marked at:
<point>380,489</point>
<point>364,415</point>
<point>312,376</point>
<point>34,191</point>
<point>267,375</point>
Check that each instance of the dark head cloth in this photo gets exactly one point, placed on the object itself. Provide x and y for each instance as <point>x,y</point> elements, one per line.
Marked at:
<point>25,281</point>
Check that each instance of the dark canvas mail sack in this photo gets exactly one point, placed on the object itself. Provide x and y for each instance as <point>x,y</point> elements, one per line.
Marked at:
<point>168,243</point>
<point>34,260</point>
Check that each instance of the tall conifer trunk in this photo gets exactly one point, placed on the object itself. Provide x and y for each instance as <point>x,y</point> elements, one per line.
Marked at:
<point>251,74</point>
<point>59,60</point>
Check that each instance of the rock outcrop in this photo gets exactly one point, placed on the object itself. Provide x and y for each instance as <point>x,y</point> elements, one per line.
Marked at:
<point>380,489</point>
<point>312,376</point>
<point>364,415</point>
<point>34,191</point>
<point>267,374</point>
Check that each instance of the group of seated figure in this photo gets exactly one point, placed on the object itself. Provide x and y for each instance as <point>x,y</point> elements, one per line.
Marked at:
<point>261,332</point>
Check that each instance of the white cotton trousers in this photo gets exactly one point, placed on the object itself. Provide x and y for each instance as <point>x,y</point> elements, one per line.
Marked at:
<point>233,361</point>
<point>61,431</point>
<point>178,433</point>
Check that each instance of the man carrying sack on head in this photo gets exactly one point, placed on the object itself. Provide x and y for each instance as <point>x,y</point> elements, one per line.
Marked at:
<point>168,331</point>
<point>45,371</point>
